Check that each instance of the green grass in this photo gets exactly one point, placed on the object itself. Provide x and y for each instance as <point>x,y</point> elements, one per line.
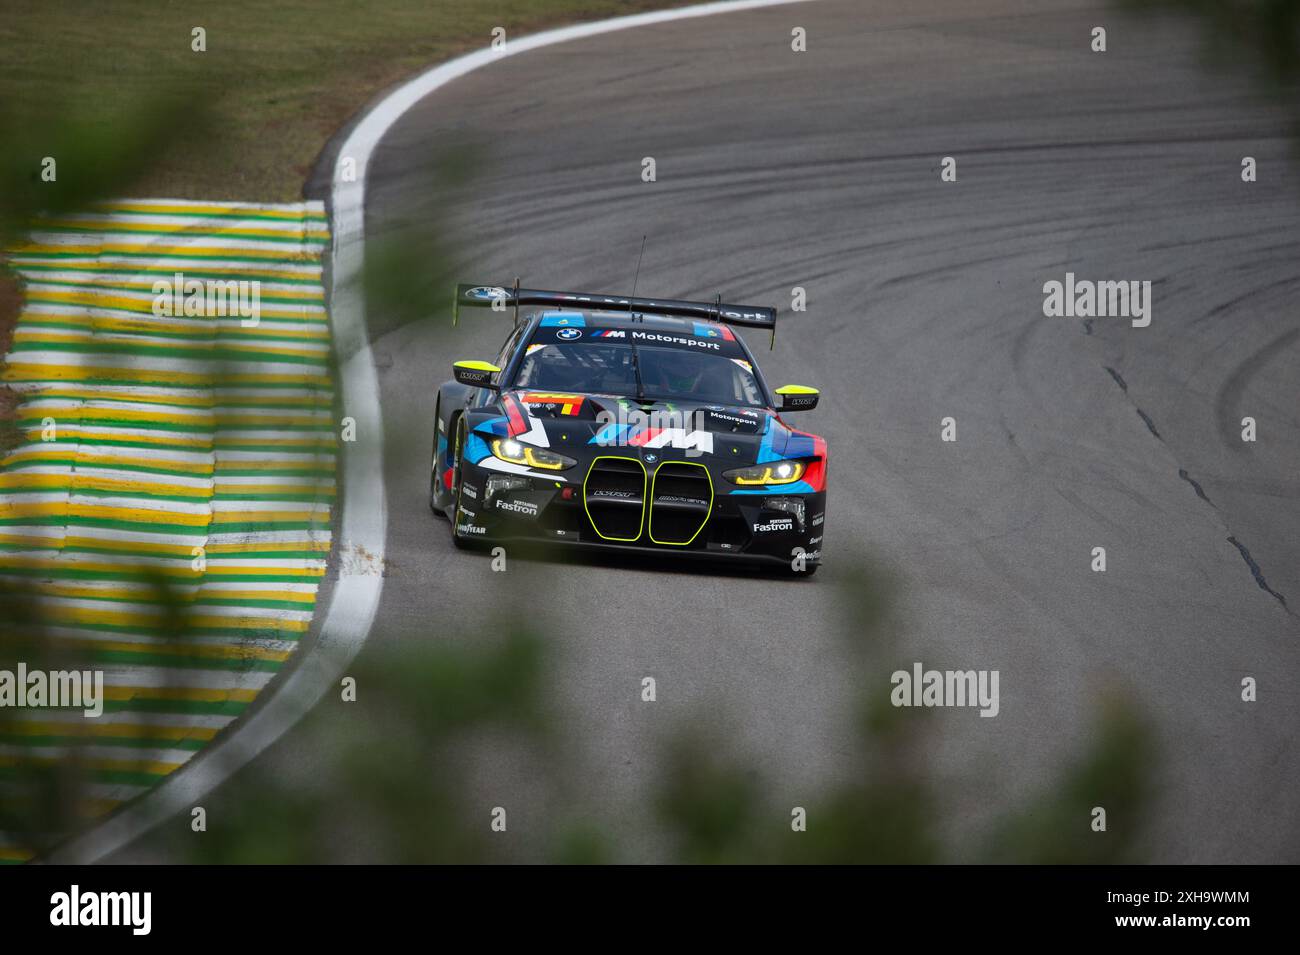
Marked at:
<point>279,76</point>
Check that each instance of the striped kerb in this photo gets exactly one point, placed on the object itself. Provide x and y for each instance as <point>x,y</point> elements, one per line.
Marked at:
<point>146,439</point>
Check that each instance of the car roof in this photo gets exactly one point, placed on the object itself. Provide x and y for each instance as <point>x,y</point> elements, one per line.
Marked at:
<point>719,336</point>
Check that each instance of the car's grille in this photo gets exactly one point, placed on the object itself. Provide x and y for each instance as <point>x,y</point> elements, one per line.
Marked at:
<point>681,498</point>
<point>614,494</point>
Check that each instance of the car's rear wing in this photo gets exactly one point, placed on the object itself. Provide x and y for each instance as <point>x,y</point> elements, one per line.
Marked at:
<point>502,297</point>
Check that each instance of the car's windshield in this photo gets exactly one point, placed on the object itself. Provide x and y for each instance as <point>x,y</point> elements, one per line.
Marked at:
<point>644,371</point>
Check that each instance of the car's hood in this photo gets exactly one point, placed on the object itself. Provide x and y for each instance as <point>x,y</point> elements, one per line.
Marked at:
<point>604,409</point>
<point>582,425</point>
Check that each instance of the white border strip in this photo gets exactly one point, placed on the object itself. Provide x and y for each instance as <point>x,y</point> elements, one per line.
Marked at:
<point>355,598</point>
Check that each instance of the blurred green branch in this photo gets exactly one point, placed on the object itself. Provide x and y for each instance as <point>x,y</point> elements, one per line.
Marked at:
<point>404,780</point>
<point>92,160</point>
<point>1258,37</point>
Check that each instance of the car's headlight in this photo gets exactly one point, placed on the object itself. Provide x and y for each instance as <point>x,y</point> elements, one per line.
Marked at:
<point>774,472</point>
<point>516,452</point>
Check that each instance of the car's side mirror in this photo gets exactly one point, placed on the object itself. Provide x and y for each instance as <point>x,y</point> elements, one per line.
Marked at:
<point>476,374</point>
<point>797,397</point>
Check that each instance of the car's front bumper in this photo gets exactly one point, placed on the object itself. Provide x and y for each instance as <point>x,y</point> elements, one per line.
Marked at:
<point>668,511</point>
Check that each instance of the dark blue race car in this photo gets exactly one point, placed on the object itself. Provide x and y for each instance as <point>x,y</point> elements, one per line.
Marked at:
<point>627,423</point>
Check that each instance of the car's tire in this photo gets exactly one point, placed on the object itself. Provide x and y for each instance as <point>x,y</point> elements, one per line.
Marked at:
<point>457,450</point>
<point>435,479</point>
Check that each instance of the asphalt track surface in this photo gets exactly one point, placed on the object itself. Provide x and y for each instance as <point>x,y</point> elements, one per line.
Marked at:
<point>821,170</point>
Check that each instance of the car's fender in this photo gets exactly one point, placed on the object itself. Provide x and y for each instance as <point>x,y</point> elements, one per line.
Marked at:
<point>452,401</point>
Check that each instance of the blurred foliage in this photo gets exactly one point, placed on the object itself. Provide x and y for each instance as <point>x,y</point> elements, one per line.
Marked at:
<point>400,761</point>
<point>442,724</point>
<point>42,799</point>
<point>37,798</point>
<point>411,267</point>
<point>10,304</point>
<point>1259,37</point>
<point>1115,773</point>
<point>92,160</point>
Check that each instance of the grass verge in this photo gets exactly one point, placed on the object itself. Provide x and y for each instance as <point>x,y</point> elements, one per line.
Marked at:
<point>279,78</point>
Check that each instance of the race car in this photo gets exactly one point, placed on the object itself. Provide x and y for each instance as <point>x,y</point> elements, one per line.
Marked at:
<point>627,424</point>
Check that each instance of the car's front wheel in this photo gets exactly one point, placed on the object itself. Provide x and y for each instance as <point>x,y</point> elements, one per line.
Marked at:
<point>435,469</point>
<point>457,450</point>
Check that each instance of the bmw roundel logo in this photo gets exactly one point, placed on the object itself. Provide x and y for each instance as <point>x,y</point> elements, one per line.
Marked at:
<point>569,334</point>
<point>651,458</point>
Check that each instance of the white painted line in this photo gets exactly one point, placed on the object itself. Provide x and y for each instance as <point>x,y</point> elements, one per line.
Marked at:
<point>355,598</point>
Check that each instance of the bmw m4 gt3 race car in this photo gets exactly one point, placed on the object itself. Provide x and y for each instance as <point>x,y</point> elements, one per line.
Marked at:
<point>627,423</point>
